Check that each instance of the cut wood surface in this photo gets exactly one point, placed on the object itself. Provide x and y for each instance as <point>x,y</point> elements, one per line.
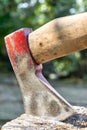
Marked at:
<point>59,37</point>
<point>27,122</point>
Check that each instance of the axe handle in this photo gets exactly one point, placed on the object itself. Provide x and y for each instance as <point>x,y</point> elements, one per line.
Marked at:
<point>58,38</point>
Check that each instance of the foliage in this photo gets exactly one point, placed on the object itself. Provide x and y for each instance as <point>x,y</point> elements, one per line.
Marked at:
<point>15,14</point>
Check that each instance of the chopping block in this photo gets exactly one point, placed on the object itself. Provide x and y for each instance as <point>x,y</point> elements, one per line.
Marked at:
<point>27,51</point>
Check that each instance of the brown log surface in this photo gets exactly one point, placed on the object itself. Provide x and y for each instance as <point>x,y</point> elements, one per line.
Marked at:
<point>59,37</point>
<point>27,122</point>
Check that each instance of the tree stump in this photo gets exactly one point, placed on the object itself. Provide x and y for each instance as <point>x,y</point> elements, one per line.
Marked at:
<point>28,122</point>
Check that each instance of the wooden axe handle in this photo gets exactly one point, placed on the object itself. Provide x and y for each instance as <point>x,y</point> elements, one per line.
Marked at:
<point>59,37</point>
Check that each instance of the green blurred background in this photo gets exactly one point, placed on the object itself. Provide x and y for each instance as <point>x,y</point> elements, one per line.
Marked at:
<point>71,69</point>
<point>15,14</point>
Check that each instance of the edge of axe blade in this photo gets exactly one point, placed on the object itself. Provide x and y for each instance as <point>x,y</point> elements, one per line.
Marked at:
<point>58,106</point>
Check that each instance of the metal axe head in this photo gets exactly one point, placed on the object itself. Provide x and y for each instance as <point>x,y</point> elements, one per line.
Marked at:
<point>40,98</point>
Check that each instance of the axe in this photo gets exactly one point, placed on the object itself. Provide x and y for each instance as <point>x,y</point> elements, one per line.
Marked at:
<point>27,51</point>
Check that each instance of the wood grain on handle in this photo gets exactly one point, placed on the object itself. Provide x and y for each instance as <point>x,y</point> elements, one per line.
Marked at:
<point>59,37</point>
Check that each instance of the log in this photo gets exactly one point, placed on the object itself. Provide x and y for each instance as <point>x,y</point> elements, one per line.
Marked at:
<point>60,37</point>
<point>27,122</point>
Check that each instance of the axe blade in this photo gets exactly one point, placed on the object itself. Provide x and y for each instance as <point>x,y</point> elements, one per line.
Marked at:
<point>40,99</point>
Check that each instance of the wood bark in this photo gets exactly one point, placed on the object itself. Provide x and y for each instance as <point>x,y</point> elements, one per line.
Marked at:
<point>27,122</point>
<point>59,37</point>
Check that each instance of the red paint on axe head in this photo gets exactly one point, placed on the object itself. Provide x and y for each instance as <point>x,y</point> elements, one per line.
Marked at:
<point>17,46</point>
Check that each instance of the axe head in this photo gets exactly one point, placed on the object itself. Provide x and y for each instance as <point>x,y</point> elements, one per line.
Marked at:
<point>40,98</point>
